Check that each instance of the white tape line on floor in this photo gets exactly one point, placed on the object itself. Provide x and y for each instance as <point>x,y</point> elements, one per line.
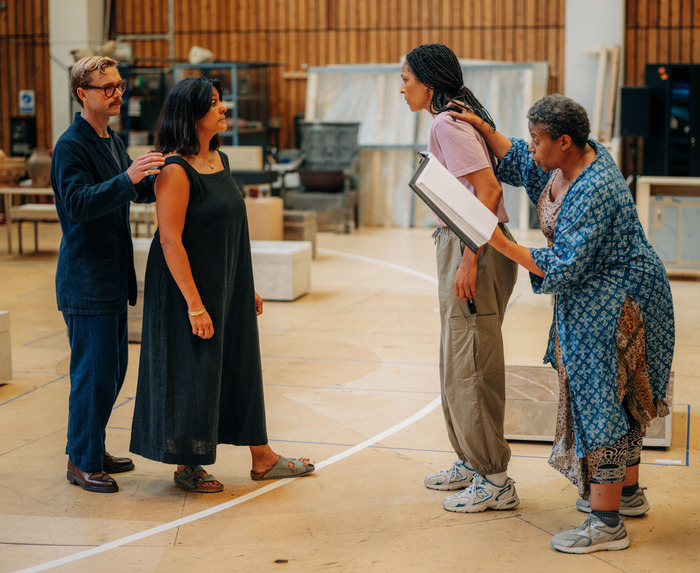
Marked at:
<point>263,490</point>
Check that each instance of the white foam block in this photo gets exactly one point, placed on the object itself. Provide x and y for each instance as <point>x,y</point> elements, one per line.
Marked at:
<point>281,269</point>
<point>532,395</point>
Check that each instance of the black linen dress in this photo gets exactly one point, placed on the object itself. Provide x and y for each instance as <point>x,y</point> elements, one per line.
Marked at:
<point>192,393</point>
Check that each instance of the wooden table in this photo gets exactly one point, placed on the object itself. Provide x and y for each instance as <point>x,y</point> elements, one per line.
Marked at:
<point>7,193</point>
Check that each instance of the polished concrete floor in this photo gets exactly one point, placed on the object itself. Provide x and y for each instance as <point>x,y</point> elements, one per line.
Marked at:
<point>351,381</point>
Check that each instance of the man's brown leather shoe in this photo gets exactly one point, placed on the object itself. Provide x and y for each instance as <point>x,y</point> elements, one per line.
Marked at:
<point>113,465</point>
<point>99,482</point>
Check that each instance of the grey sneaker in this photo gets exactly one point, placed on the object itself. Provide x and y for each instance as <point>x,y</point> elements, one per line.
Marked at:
<point>592,535</point>
<point>458,476</point>
<point>630,505</point>
<point>483,495</point>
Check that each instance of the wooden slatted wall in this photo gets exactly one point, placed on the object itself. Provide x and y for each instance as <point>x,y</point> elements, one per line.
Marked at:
<point>301,33</point>
<point>24,65</point>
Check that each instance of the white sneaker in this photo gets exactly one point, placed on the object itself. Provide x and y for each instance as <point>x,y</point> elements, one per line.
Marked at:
<point>458,476</point>
<point>592,535</point>
<point>630,505</point>
<point>482,495</point>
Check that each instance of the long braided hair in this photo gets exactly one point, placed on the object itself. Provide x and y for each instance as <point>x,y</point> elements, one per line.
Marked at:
<point>437,67</point>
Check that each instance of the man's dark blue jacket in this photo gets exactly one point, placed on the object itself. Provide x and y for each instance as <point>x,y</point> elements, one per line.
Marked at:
<point>95,273</point>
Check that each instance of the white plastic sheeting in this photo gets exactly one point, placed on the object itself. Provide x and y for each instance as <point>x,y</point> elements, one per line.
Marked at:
<point>390,134</point>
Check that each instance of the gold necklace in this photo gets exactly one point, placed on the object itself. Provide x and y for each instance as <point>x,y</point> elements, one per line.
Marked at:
<point>208,160</point>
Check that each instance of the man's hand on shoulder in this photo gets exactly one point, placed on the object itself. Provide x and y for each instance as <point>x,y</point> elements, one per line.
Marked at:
<point>147,164</point>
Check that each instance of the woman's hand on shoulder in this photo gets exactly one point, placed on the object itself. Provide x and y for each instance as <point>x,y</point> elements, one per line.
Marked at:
<point>496,141</point>
<point>462,111</point>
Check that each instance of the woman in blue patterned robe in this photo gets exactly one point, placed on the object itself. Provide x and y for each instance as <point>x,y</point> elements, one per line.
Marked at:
<point>612,333</point>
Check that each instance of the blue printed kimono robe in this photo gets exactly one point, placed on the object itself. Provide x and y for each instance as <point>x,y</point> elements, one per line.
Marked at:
<point>600,255</point>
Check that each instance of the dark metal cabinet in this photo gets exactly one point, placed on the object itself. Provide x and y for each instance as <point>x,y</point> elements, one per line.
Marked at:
<point>673,145</point>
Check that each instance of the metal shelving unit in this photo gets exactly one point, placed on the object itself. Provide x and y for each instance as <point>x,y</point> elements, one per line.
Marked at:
<point>244,86</point>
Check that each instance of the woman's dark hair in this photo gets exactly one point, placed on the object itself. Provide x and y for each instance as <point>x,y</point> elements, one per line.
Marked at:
<point>560,115</point>
<point>437,67</point>
<point>187,103</point>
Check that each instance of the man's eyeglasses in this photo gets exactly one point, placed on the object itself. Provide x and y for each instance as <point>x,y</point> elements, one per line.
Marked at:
<point>109,89</point>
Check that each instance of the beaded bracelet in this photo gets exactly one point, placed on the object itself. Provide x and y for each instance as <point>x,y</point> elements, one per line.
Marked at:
<point>197,312</point>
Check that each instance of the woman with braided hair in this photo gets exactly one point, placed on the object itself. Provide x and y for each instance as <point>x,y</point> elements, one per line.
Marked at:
<point>473,292</point>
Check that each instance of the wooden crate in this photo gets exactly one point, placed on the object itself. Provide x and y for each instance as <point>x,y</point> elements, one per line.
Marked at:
<point>301,226</point>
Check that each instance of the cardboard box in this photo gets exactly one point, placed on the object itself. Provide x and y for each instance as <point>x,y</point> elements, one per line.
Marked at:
<point>265,221</point>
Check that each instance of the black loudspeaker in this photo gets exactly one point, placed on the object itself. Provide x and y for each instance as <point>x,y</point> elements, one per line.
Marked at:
<point>634,111</point>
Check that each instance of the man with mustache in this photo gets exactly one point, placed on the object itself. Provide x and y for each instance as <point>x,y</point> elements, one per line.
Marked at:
<point>94,181</point>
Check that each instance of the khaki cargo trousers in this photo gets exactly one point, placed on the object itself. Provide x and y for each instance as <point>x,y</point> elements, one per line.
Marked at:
<point>472,366</point>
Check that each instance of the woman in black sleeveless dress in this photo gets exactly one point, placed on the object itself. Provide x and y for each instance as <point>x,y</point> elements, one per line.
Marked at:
<point>200,375</point>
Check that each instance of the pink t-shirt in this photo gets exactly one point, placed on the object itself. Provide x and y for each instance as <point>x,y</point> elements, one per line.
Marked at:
<point>462,150</point>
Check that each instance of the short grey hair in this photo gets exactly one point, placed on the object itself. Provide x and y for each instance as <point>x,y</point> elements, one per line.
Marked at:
<point>561,115</point>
